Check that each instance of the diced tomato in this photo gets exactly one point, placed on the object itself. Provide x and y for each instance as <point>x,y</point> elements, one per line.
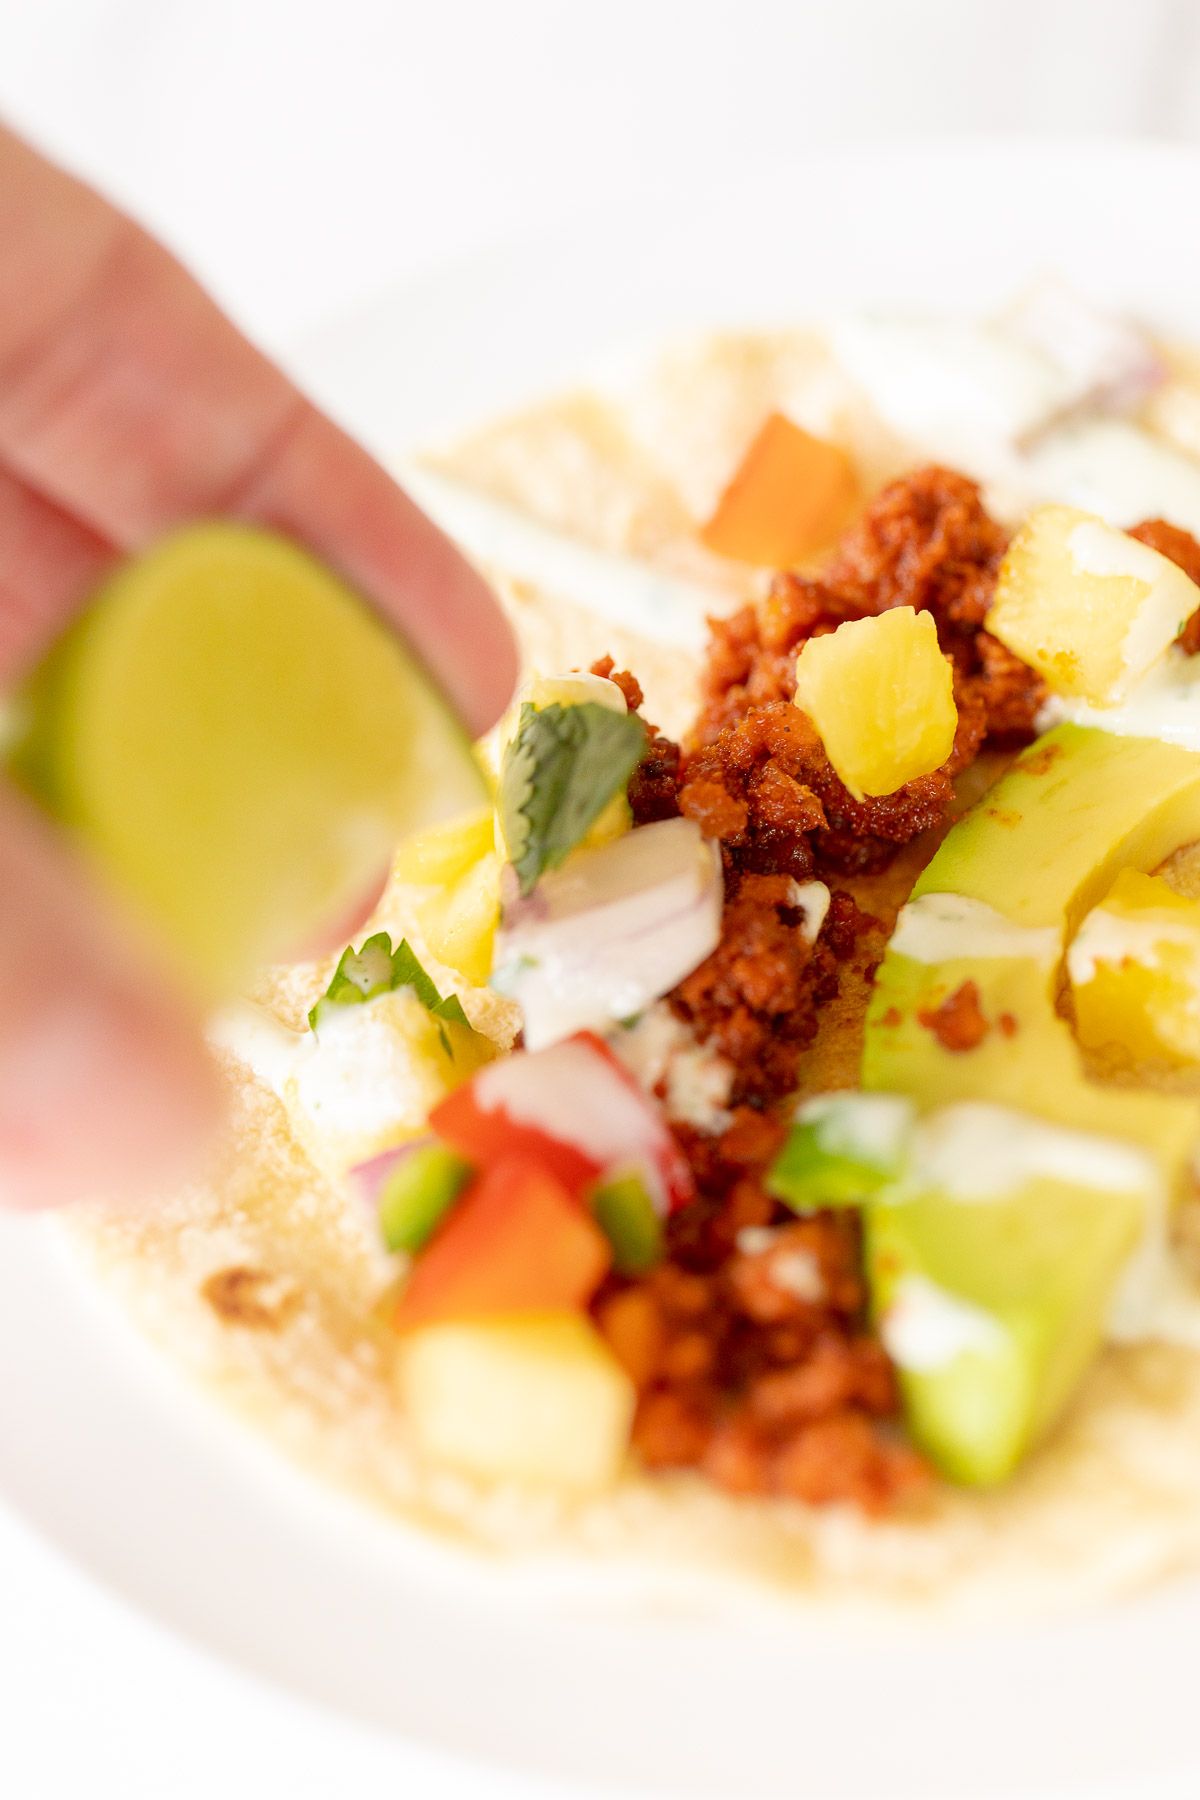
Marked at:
<point>791,495</point>
<point>572,1108</point>
<point>516,1241</point>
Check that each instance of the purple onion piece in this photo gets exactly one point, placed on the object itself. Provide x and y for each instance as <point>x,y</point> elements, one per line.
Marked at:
<point>370,1177</point>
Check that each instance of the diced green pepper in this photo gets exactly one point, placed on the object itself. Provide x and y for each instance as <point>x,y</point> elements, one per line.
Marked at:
<point>418,1194</point>
<point>625,1213</point>
<point>841,1150</point>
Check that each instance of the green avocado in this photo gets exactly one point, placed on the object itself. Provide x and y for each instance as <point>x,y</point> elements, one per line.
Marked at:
<point>1032,1270</point>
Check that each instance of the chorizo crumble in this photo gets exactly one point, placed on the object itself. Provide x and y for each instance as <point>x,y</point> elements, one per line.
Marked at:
<point>958,1023</point>
<point>749,1345</point>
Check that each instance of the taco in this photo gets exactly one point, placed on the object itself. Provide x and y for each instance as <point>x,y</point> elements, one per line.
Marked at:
<point>758,1148</point>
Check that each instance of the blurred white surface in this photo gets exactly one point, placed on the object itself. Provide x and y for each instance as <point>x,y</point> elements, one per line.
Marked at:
<point>302,154</point>
<point>80,1675</point>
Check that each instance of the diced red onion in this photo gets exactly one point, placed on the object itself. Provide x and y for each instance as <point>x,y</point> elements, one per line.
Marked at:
<point>576,1093</point>
<point>606,935</point>
<point>370,1177</point>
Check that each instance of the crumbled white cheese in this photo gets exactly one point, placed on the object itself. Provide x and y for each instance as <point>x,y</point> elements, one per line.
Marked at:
<point>798,1273</point>
<point>665,1054</point>
<point>812,897</point>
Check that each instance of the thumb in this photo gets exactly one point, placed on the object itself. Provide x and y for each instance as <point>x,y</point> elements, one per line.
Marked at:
<point>105,1085</point>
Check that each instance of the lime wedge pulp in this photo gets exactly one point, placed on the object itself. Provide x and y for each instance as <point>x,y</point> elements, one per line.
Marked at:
<point>238,742</point>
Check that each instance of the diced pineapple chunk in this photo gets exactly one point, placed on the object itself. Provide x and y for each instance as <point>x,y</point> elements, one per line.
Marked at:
<point>535,1398</point>
<point>1088,607</point>
<point>881,694</point>
<point>440,856</point>
<point>615,820</point>
<point>1135,972</point>
<point>459,923</point>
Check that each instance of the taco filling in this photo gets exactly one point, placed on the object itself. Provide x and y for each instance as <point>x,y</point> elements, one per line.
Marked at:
<point>802,1098</point>
<point>628,1230</point>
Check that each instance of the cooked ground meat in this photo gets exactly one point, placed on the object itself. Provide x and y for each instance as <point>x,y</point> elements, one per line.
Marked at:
<point>654,785</point>
<point>749,1345</point>
<point>629,684</point>
<point>958,1023</point>
<point>750,1350</point>
<point>927,542</point>
<point>766,788</point>
<point>751,658</point>
<point>758,996</point>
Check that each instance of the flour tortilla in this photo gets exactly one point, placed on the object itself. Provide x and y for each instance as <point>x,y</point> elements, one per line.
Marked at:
<point>264,1280</point>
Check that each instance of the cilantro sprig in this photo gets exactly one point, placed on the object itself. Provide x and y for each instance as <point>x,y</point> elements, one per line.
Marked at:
<point>376,968</point>
<point>559,773</point>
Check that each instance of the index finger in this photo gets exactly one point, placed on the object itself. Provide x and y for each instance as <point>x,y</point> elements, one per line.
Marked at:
<point>131,403</point>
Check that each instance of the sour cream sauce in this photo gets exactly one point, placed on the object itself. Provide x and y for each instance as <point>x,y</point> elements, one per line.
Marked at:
<point>937,928</point>
<point>926,1328</point>
<point>975,1151</point>
<point>1165,705</point>
<point>270,1049</point>
<point>812,897</point>
<point>1106,939</point>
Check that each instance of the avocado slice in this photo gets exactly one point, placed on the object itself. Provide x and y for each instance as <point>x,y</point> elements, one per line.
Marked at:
<point>1036,1269</point>
<point>1035,1272</point>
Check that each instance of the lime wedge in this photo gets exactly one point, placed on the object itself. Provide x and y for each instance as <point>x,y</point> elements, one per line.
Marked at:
<point>238,742</point>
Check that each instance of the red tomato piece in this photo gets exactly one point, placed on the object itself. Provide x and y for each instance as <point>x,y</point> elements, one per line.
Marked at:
<point>791,495</point>
<point>517,1240</point>
<point>572,1108</point>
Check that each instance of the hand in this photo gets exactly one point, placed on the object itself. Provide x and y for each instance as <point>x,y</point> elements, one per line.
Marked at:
<point>129,403</point>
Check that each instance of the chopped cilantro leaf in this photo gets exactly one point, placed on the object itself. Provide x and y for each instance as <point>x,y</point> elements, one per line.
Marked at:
<point>562,768</point>
<point>376,969</point>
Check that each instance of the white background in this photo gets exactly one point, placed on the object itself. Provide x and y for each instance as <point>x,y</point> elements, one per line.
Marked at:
<point>303,154</point>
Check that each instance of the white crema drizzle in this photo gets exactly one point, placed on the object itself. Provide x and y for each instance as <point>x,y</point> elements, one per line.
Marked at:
<point>936,928</point>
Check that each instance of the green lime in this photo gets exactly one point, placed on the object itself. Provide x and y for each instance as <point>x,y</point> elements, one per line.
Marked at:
<point>238,741</point>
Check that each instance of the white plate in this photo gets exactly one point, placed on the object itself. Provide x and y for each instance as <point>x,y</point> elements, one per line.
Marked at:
<point>150,1489</point>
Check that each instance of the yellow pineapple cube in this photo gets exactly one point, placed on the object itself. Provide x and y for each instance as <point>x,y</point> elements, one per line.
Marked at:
<point>613,822</point>
<point>1090,608</point>
<point>440,856</point>
<point>459,922</point>
<point>881,694</point>
<point>535,1398</point>
<point>1135,972</point>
